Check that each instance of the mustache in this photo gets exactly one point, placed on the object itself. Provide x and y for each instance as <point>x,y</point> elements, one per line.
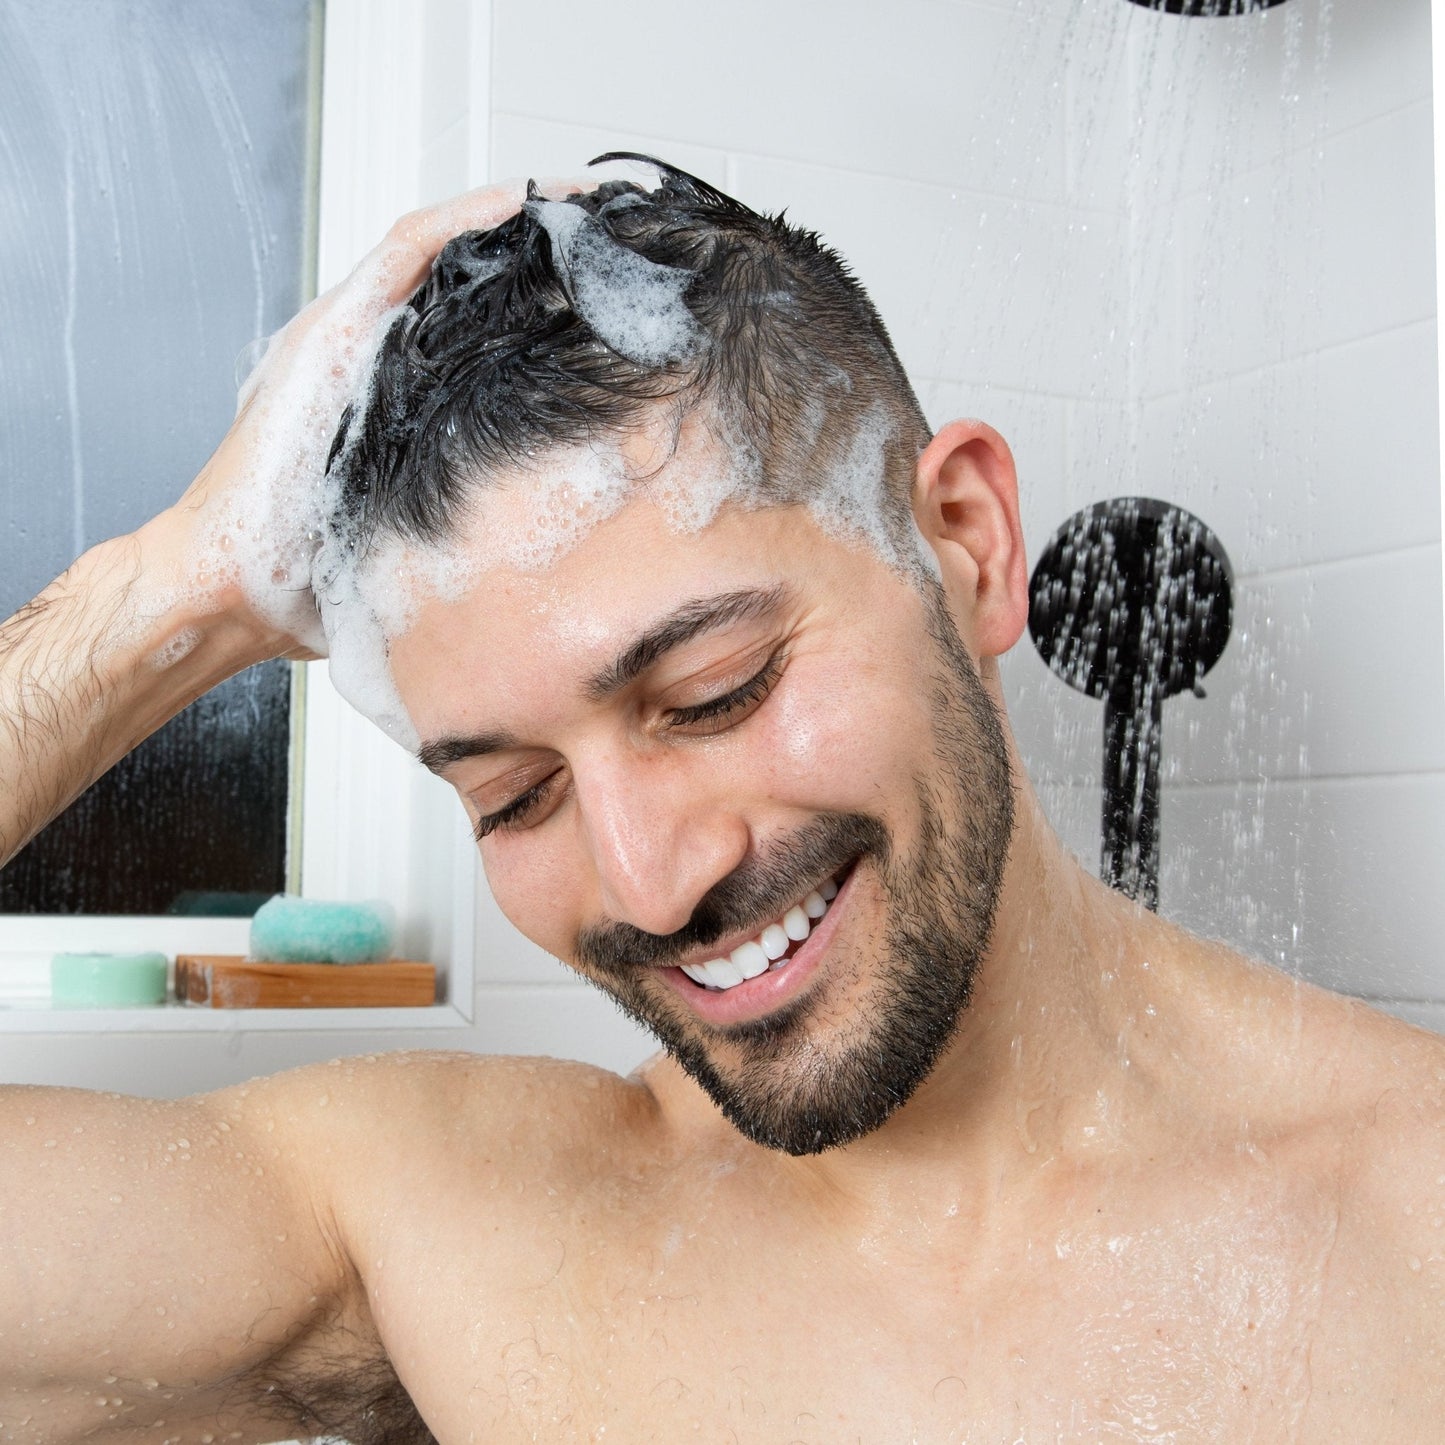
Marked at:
<point>750,897</point>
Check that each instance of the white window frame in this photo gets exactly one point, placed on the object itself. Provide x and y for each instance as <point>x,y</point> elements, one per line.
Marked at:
<point>374,824</point>
<point>1437,42</point>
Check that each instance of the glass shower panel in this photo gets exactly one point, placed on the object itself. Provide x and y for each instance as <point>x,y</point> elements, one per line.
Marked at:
<point>157,182</point>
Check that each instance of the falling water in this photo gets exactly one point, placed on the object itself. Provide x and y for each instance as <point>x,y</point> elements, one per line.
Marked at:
<point>1181,357</point>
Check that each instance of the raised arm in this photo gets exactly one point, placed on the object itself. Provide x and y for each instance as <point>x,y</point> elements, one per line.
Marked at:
<point>143,624</point>
<point>171,1270</point>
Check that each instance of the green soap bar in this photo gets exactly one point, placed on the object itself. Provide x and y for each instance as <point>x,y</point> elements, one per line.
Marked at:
<point>107,980</point>
<point>287,929</point>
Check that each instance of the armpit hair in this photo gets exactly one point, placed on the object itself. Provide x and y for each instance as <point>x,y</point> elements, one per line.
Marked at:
<point>365,1405</point>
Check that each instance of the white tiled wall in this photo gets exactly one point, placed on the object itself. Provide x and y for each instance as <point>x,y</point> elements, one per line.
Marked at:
<point>1187,259</point>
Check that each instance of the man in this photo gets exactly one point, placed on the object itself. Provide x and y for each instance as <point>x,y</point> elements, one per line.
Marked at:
<point>948,1142</point>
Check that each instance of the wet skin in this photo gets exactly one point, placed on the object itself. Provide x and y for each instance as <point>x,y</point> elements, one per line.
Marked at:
<point>1149,1188</point>
<point>1150,1191</point>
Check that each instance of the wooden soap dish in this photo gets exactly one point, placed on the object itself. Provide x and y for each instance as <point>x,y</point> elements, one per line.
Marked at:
<point>222,980</point>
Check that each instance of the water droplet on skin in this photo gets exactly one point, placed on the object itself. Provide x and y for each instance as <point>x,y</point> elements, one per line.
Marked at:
<point>117,1199</point>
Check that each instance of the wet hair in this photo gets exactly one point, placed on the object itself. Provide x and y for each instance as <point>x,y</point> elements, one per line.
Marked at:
<point>564,327</point>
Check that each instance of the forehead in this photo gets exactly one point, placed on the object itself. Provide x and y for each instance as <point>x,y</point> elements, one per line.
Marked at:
<point>517,637</point>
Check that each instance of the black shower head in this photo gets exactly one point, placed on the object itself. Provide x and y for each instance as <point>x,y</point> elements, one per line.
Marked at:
<point>1208,7</point>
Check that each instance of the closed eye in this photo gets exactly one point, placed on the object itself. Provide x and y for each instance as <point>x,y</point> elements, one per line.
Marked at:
<point>516,813</point>
<point>718,713</point>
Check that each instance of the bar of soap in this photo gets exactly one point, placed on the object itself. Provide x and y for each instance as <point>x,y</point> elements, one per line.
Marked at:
<point>287,929</point>
<point>107,980</point>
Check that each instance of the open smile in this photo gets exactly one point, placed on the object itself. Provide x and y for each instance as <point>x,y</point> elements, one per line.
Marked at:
<point>771,968</point>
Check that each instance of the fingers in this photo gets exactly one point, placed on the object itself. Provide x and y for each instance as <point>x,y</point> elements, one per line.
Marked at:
<point>414,241</point>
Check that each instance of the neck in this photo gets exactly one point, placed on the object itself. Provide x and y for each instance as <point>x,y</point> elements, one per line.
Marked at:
<point>1050,1056</point>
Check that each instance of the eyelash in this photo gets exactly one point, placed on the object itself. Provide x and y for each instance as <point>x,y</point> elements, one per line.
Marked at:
<point>753,691</point>
<point>516,811</point>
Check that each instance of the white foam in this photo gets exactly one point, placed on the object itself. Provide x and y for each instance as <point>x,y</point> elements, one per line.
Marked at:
<point>634,305</point>
<point>278,537</point>
<point>853,500</point>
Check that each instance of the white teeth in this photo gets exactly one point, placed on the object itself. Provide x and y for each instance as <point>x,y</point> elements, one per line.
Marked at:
<point>755,956</point>
<point>725,972</point>
<point>749,959</point>
<point>774,941</point>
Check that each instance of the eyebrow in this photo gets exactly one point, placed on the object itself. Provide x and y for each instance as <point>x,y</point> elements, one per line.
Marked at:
<point>691,620</point>
<point>442,752</point>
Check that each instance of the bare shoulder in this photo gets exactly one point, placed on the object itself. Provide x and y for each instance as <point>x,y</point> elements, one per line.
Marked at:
<point>1383,1126</point>
<point>450,1111</point>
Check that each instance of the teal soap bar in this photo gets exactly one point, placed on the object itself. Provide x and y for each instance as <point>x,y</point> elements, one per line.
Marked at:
<point>287,929</point>
<point>107,980</point>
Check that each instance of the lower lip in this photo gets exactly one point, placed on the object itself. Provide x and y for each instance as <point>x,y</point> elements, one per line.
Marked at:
<point>760,996</point>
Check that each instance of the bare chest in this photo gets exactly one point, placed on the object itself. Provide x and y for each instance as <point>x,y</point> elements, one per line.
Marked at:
<point>717,1326</point>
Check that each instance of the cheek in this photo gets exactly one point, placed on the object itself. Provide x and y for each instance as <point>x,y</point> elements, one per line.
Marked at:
<point>851,735</point>
<point>531,889</point>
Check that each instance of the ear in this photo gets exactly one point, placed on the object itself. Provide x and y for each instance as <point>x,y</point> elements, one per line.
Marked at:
<point>965,501</point>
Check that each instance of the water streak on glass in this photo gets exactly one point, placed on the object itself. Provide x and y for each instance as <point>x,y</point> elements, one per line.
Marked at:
<point>153,180</point>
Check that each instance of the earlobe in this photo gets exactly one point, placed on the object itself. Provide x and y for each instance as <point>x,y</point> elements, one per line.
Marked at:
<point>965,501</point>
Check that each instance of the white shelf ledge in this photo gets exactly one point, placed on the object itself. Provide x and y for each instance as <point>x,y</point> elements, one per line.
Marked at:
<point>182,1019</point>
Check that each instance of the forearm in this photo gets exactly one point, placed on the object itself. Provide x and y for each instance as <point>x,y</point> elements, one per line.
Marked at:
<point>97,662</point>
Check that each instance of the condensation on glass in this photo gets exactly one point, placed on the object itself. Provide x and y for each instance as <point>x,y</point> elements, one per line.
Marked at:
<point>155,174</point>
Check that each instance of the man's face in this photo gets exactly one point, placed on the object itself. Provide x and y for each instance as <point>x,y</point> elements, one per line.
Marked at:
<point>678,747</point>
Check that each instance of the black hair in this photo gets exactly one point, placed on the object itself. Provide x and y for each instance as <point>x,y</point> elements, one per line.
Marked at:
<point>498,359</point>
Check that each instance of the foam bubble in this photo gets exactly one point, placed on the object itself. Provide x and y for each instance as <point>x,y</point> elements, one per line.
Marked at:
<point>634,305</point>
<point>853,499</point>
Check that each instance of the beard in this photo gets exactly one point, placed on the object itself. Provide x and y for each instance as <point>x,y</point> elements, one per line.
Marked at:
<point>795,1086</point>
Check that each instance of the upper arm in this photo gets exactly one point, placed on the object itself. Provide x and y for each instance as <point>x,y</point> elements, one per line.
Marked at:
<point>156,1255</point>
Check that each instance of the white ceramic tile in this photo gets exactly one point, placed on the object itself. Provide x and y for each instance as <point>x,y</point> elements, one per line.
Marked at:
<point>1103,453</point>
<point>1333,671</point>
<point>1423,1015</point>
<point>1213,101</point>
<point>1378,265</point>
<point>1308,253</point>
<point>446,74</point>
<point>1333,455</point>
<point>443,169</point>
<point>913,88</point>
<point>1354,866</point>
<point>525,146</point>
<point>571,1022</point>
<point>1017,295</point>
<point>1059,732</point>
<point>1100,137</point>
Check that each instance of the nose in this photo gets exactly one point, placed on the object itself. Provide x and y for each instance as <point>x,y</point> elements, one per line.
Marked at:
<point>660,834</point>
